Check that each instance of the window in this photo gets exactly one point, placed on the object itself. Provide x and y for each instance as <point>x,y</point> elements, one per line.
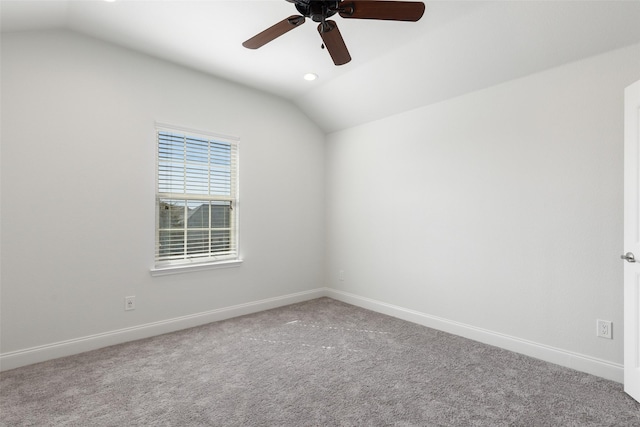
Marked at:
<point>196,198</point>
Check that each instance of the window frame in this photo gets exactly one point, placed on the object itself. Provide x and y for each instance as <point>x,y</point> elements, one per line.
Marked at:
<point>198,262</point>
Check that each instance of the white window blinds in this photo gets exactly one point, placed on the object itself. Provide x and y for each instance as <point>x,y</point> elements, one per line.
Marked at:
<point>196,200</point>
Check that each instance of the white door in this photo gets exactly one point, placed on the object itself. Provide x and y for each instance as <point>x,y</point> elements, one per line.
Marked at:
<point>632,240</point>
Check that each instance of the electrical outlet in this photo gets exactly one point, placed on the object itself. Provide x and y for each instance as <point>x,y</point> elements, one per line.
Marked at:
<point>129,303</point>
<point>605,329</point>
<point>341,275</point>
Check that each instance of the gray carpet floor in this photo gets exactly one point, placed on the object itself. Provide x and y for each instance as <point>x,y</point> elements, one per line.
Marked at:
<point>317,363</point>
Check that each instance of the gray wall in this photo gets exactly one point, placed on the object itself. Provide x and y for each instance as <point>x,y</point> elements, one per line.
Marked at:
<point>500,211</point>
<point>78,182</point>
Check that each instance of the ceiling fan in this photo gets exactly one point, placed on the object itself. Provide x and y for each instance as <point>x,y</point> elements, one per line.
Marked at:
<point>320,10</point>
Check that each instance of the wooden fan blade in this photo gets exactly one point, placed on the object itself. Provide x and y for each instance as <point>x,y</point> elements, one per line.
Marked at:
<point>386,10</point>
<point>274,32</point>
<point>334,42</point>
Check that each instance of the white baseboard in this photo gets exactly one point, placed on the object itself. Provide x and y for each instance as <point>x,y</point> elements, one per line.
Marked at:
<point>579,362</point>
<point>16,359</point>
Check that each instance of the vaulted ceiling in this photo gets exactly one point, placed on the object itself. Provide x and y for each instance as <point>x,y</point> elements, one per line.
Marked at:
<point>457,47</point>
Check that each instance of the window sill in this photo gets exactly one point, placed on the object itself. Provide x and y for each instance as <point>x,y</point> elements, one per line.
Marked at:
<point>187,268</point>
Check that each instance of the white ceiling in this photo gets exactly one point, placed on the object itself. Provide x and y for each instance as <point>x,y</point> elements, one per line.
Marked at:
<point>457,47</point>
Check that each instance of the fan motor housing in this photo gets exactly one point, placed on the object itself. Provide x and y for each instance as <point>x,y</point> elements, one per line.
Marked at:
<point>317,10</point>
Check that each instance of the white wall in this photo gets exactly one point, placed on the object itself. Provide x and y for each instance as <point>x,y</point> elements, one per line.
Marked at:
<point>500,210</point>
<point>78,155</point>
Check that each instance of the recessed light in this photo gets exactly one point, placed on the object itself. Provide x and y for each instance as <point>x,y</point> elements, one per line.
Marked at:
<point>310,76</point>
